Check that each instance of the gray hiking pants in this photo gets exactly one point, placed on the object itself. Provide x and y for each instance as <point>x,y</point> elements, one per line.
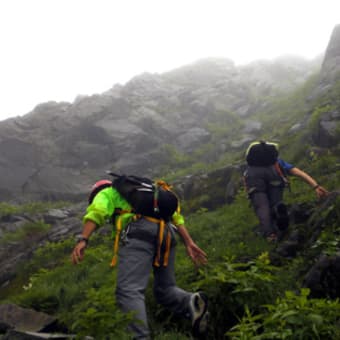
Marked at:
<point>265,189</point>
<point>136,256</point>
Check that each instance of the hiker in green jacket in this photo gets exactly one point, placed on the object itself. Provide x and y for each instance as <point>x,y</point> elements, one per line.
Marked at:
<point>265,180</point>
<point>140,252</point>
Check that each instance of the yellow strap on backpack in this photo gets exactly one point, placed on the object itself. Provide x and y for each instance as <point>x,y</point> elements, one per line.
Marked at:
<point>117,236</point>
<point>116,242</point>
<point>160,238</point>
<point>159,243</point>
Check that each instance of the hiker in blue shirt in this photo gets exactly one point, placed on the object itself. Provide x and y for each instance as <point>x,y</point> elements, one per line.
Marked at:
<point>265,179</point>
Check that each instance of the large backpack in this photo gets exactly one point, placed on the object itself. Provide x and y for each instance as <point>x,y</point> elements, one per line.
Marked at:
<point>153,200</point>
<point>262,154</point>
<point>147,198</point>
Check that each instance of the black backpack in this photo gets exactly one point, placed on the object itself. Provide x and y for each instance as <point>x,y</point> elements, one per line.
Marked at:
<point>262,154</point>
<point>148,198</point>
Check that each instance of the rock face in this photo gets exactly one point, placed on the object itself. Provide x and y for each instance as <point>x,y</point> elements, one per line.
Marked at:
<point>63,224</point>
<point>59,150</point>
<point>331,64</point>
<point>212,190</point>
<point>17,323</point>
<point>327,132</point>
<point>24,319</point>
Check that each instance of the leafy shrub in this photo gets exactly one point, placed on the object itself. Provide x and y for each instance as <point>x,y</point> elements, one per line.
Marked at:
<point>7,209</point>
<point>98,316</point>
<point>232,286</point>
<point>292,317</point>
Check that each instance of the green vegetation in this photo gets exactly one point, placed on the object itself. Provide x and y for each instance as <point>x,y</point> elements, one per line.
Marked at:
<point>27,231</point>
<point>30,230</point>
<point>250,297</point>
<point>254,293</point>
<point>82,296</point>
<point>294,316</point>
<point>29,208</point>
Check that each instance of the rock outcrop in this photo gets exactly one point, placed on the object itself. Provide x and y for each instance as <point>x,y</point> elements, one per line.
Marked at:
<point>17,323</point>
<point>330,69</point>
<point>58,150</point>
<point>62,223</point>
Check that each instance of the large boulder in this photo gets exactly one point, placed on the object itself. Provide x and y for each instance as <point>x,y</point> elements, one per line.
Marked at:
<point>327,133</point>
<point>323,278</point>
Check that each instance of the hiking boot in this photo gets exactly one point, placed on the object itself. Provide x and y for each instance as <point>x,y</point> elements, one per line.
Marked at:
<point>282,218</point>
<point>198,306</point>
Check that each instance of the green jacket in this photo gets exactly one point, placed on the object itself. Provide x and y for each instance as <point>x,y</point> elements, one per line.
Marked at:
<point>105,203</point>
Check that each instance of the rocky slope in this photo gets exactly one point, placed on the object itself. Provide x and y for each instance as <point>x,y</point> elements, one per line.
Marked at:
<point>59,149</point>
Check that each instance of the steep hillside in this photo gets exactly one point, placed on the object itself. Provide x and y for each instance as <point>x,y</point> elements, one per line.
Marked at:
<point>257,290</point>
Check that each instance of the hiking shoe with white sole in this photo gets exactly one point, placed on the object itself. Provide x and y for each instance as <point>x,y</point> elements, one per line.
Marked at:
<point>198,306</point>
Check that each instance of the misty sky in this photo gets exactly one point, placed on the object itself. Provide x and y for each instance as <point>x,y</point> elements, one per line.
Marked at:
<point>57,49</point>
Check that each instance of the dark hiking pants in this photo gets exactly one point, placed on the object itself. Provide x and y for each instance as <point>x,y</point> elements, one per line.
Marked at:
<point>265,189</point>
<point>136,256</point>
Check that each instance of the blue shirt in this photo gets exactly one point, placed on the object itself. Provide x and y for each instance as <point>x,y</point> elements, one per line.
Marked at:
<point>285,166</point>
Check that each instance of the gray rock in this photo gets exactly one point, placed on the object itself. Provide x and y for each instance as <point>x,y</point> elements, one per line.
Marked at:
<point>22,335</point>
<point>201,192</point>
<point>331,63</point>
<point>193,137</point>
<point>55,214</point>
<point>327,134</point>
<point>242,142</point>
<point>24,319</point>
<point>12,254</point>
<point>251,126</point>
<point>323,278</point>
<point>295,128</point>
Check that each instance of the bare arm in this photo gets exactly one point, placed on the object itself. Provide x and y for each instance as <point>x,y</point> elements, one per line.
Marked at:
<point>320,191</point>
<point>197,255</point>
<point>79,249</point>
